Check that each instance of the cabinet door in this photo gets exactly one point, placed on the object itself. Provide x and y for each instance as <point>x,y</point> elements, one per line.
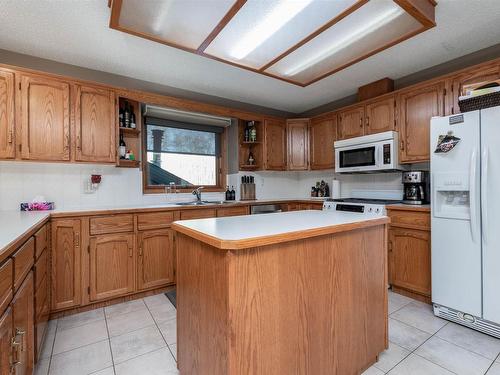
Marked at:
<point>471,79</point>
<point>7,141</point>
<point>351,123</point>
<point>95,132</point>
<point>66,271</point>
<point>156,258</point>
<point>416,107</point>
<point>379,116</point>
<point>410,259</point>
<point>275,144</point>
<point>298,144</point>
<point>112,267</point>
<point>322,134</point>
<point>23,323</point>
<point>6,351</point>
<point>45,119</point>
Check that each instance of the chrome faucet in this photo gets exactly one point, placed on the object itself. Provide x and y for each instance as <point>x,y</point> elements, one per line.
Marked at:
<point>197,192</point>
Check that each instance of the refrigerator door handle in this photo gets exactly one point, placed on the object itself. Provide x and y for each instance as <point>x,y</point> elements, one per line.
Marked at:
<point>484,193</point>
<point>472,195</point>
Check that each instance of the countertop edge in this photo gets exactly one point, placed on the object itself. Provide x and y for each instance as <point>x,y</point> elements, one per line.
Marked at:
<point>409,207</point>
<point>276,238</point>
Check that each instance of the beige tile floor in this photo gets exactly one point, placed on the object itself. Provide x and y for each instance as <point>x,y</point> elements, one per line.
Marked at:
<point>139,337</point>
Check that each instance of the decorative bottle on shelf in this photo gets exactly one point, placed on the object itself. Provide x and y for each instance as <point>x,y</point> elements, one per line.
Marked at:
<point>121,120</point>
<point>251,159</point>
<point>233,194</point>
<point>253,132</point>
<point>228,193</point>
<point>247,133</point>
<point>126,116</point>
<point>132,119</point>
<point>123,147</point>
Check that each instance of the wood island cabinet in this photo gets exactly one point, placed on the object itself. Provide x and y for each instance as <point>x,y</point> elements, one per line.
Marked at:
<point>379,116</point>
<point>45,114</point>
<point>275,144</point>
<point>416,108</point>
<point>7,121</point>
<point>66,263</point>
<point>298,144</point>
<point>351,122</point>
<point>155,258</point>
<point>95,132</point>
<point>6,342</point>
<point>23,327</point>
<point>112,265</point>
<point>322,134</point>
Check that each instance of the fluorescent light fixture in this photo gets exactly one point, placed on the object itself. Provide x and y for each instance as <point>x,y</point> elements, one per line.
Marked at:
<point>283,11</point>
<point>364,30</point>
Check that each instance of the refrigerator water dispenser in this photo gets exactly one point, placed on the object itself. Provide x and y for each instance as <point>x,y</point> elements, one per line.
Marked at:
<point>451,195</point>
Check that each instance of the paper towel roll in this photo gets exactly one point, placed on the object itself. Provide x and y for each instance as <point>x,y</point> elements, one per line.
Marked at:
<point>335,189</point>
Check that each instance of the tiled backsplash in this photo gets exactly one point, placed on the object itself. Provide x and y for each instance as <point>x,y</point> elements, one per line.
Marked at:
<point>65,184</point>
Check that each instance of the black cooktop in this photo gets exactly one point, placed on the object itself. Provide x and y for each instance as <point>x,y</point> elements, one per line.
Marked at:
<point>369,201</point>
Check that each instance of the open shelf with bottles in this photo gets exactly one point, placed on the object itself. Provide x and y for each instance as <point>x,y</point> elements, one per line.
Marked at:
<point>248,146</point>
<point>129,134</point>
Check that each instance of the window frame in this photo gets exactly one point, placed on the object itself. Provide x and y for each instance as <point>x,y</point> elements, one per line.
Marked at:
<point>160,189</point>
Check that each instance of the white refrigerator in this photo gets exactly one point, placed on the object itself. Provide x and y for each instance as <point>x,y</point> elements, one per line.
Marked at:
<point>465,220</point>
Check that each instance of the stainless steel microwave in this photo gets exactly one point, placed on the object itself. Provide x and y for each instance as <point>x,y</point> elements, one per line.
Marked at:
<point>374,153</point>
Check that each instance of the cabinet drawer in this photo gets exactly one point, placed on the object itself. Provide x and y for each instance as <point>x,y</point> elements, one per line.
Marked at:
<point>41,241</point>
<point>155,220</point>
<point>232,211</point>
<point>111,224</point>
<point>23,261</point>
<point>40,269</point>
<point>6,271</point>
<point>410,219</point>
<point>197,214</point>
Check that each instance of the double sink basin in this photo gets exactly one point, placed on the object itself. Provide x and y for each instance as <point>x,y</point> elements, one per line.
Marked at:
<point>203,203</point>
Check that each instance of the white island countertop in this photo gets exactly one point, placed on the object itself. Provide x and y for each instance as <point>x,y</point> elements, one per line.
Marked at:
<point>15,224</point>
<point>240,232</point>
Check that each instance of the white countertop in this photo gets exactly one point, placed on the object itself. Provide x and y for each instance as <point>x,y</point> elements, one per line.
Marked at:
<point>14,224</point>
<point>238,228</point>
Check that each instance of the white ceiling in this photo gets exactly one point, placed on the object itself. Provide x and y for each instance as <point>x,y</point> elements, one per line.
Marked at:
<point>76,32</point>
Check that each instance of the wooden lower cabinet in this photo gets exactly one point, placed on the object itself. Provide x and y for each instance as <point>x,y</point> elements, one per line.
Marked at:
<point>5,342</point>
<point>66,267</point>
<point>410,253</point>
<point>155,258</point>
<point>23,326</point>
<point>112,260</point>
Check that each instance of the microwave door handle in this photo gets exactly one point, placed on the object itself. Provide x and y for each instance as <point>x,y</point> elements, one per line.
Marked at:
<point>472,195</point>
<point>380,151</point>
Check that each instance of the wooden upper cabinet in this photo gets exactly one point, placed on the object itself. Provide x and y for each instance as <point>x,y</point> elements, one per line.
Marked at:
<point>322,135</point>
<point>95,132</point>
<point>23,328</point>
<point>298,144</point>
<point>410,259</point>
<point>45,124</point>
<point>156,258</point>
<point>275,144</point>
<point>351,122</point>
<point>471,79</point>
<point>112,268</point>
<point>379,116</point>
<point>7,129</point>
<point>66,264</point>
<point>416,108</point>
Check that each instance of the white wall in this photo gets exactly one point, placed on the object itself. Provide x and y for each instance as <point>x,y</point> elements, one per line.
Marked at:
<point>64,185</point>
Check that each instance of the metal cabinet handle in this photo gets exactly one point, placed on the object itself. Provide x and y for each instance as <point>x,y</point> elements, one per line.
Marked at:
<point>10,136</point>
<point>77,239</point>
<point>130,251</point>
<point>402,146</point>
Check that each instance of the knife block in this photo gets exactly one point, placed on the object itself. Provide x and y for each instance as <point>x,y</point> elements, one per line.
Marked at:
<point>247,192</point>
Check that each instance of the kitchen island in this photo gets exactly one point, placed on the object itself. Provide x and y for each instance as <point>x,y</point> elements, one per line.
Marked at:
<point>283,293</point>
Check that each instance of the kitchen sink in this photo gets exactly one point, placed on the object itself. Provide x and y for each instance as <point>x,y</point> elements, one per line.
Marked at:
<point>202,203</point>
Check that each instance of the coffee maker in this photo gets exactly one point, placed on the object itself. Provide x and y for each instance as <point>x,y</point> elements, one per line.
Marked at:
<point>416,187</point>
